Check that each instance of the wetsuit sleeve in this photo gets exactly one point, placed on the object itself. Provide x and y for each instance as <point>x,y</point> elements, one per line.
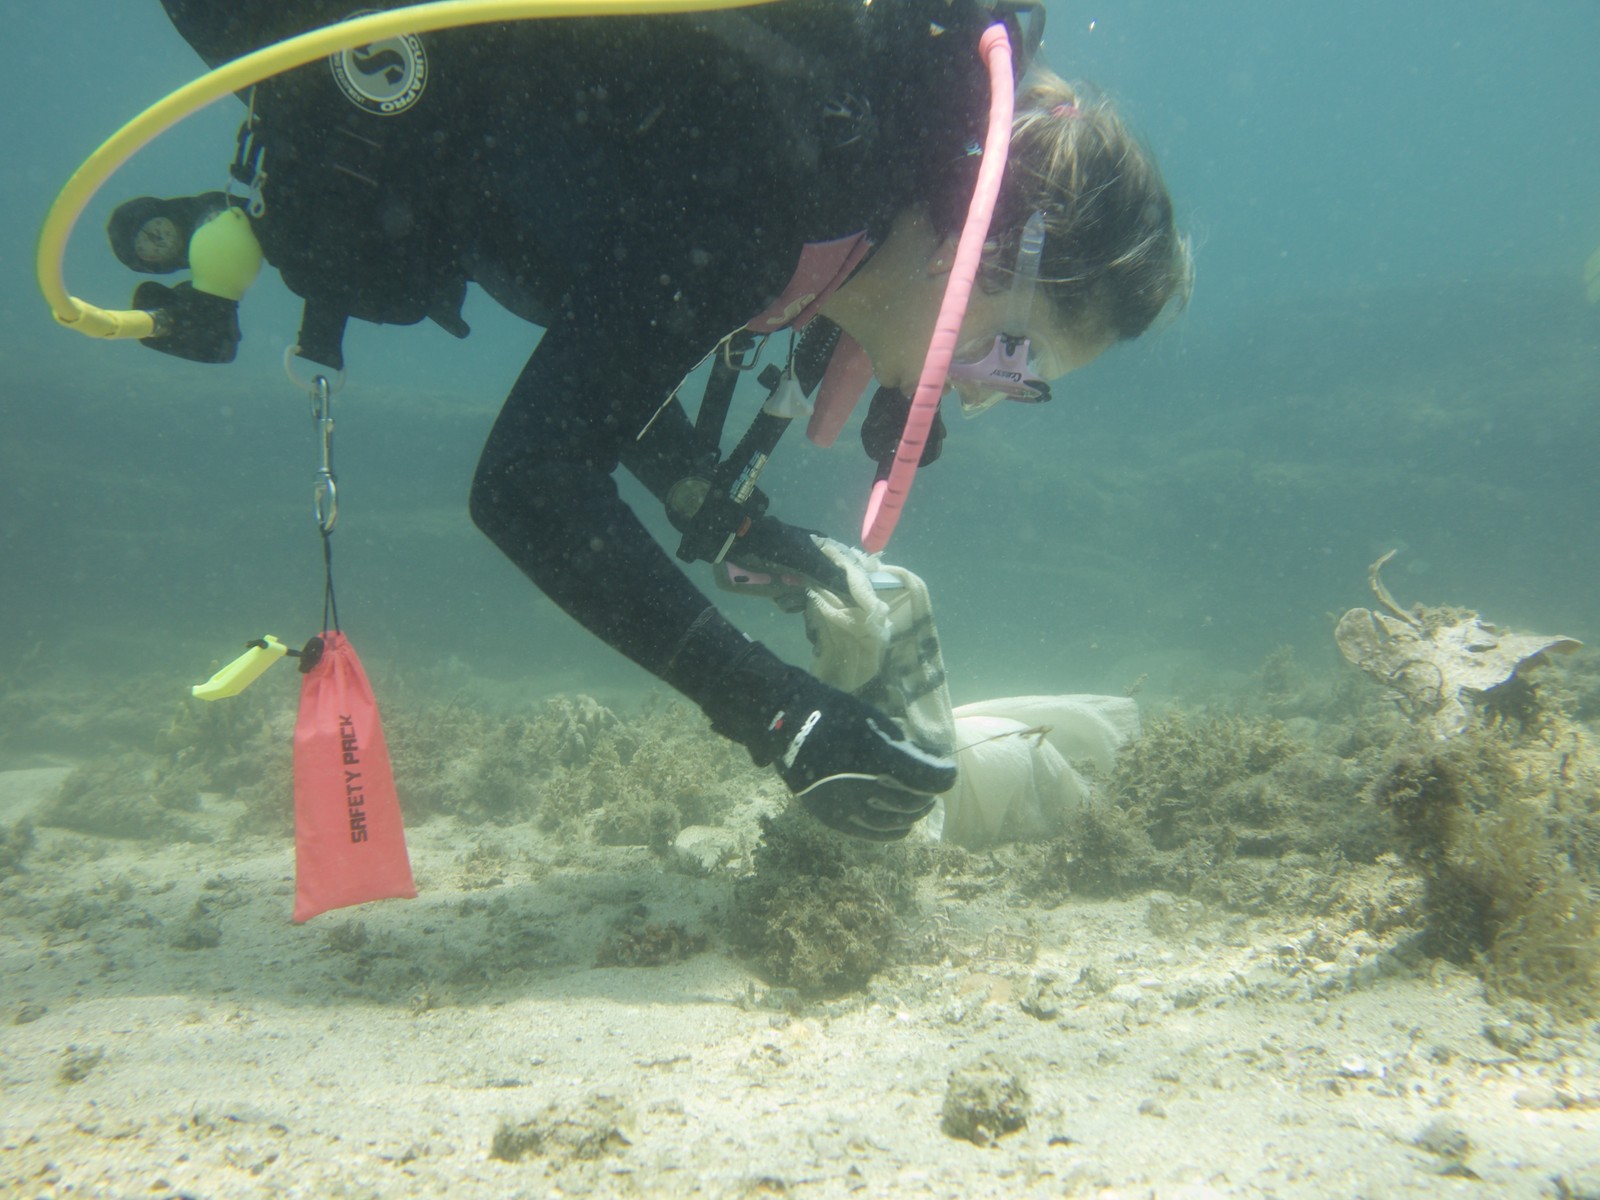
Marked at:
<point>544,493</point>
<point>673,208</point>
<point>667,452</point>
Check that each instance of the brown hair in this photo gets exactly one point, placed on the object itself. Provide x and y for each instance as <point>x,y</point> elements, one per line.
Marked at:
<point>1113,254</point>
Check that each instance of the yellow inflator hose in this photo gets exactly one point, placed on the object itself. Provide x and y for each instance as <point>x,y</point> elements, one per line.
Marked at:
<point>253,68</point>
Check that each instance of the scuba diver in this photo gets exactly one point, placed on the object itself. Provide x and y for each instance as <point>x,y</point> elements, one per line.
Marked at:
<point>643,188</point>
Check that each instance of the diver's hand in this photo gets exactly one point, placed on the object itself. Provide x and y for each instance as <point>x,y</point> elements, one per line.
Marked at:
<point>849,766</point>
<point>866,806</point>
<point>853,772</point>
<point>844,759</point>
<point>770,545</point>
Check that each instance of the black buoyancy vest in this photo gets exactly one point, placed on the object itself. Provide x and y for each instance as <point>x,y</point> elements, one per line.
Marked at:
<point>365,154</point>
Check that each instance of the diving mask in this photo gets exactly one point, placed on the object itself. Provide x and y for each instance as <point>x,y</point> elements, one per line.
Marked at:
<point>983,375</point>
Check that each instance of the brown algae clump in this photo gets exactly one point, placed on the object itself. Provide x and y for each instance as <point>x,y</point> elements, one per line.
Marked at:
<point>1175,775</point>
<point>637,941</point>
<point>128,797</point>
<point>575,768</point>
<point>242,748</point>
<point>597,1127</point>
<point>1506,836</point>
<point>1103,851</point>
<point>1207,802</point>
<point>648,779</point>
<point>819,912</point>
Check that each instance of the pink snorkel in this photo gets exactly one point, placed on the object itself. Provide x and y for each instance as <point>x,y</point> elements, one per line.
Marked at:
<point>889,494</point>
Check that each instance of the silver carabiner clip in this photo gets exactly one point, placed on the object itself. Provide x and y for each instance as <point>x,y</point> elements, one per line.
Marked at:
<point>324,491</point>
<point>325,498</point>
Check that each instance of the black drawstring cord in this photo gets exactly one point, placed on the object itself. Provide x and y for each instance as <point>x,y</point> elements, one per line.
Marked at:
<point>330,606</point>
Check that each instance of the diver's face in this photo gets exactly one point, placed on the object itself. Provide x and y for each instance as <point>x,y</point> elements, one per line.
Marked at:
<point>892,304</point>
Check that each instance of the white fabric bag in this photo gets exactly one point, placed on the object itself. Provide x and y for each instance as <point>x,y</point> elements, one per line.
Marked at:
<point>1015,755</point>
<point>1017,782</point>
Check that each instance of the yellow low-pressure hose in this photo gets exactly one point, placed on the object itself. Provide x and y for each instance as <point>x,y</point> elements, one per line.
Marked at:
<point>253,68</point>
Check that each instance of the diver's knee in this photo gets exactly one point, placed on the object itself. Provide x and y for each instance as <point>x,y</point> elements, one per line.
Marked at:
<point>527,503</point>
<point>484,503</point>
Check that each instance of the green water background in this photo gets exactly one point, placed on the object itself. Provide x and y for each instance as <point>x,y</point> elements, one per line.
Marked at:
<point>1388,347</point>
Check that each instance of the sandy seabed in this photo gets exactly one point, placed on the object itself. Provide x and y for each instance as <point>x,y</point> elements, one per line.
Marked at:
<point>168,1032</point>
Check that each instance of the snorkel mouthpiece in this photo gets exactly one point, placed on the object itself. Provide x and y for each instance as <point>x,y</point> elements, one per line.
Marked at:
<point>1005,372</point>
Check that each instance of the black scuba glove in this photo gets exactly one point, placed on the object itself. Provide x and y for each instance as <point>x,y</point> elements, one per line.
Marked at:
<point>191,324</point>
<point>844,759</point>
<point>771,545</point>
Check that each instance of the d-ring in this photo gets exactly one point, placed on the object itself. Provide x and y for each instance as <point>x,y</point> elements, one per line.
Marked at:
<point>305,384</point>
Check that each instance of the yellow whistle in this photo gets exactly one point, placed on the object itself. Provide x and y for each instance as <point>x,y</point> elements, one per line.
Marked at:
<point>242,671</point>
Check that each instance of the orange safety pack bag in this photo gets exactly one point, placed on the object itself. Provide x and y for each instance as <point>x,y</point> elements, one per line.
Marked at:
<point>350,845</point>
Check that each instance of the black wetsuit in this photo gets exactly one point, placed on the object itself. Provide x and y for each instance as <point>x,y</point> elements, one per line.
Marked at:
<point>639,186</point>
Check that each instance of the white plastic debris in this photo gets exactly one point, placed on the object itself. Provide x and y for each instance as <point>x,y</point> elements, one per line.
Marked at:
<point>1437,661</point>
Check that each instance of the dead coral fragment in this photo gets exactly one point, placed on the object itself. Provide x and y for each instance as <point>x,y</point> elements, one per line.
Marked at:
<point>985,1100</point>
<point>637,820</point>
<point>599,1126</point>
<point>573,727</point>
<point>1435,659</point>
<point>638,942</point>
<point>199,931</point>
